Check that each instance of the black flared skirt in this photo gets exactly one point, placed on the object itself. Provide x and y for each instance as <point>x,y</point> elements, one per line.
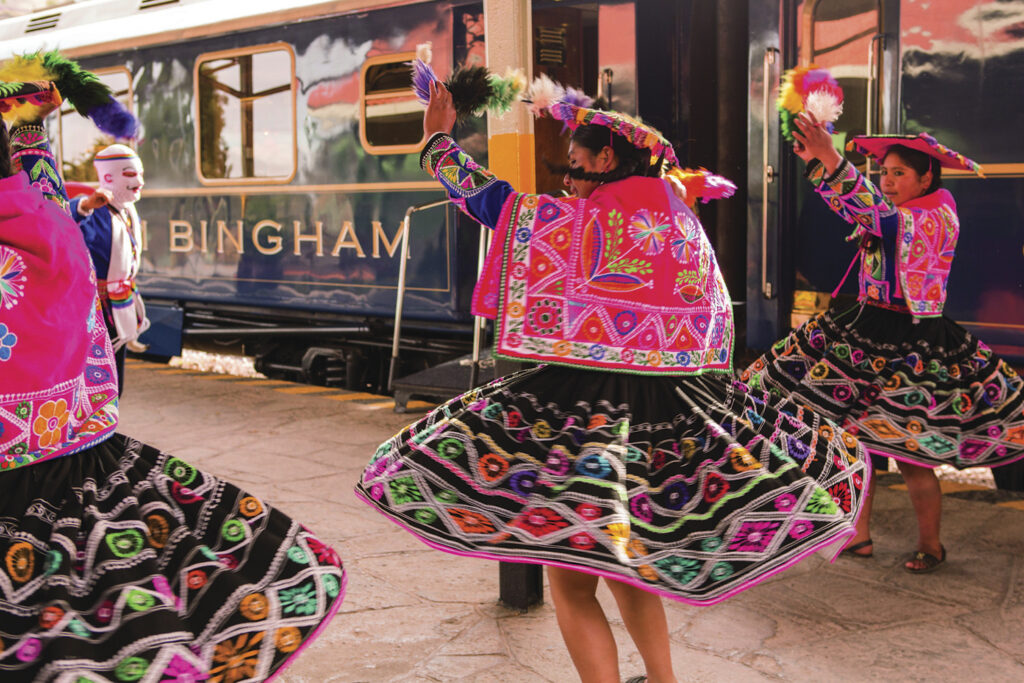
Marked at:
<point>688,487</point>
<point>926,392</point>
<point>122,563</point>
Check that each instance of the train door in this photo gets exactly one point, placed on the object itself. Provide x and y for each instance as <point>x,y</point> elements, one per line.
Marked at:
<point>954,69</point>
<point>796,252</point>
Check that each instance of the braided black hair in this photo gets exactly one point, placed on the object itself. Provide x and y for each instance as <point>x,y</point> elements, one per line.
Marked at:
<point>5,152</point>
<point>633,161</point>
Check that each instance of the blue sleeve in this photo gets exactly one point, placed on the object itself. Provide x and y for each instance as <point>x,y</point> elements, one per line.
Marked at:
<point>96,230</point>
<point>30,152</point>
<point>470,186</point>
<point>857,200</point>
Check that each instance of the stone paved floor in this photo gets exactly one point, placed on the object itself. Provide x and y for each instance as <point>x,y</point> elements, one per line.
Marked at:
<point>415,614</point>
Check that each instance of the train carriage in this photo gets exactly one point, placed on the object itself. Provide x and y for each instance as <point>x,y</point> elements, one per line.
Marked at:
<point>280,148</point>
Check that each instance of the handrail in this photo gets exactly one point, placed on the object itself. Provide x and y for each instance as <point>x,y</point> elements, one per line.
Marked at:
<point>767,171</point>
<point>872,85</point>
<point>400,295</point>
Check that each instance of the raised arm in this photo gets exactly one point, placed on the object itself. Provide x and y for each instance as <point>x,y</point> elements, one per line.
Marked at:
<point>470,186</point>
<point>846,190</point>
<point>30,152</point>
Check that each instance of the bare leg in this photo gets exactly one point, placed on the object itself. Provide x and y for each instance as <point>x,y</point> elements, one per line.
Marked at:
<point>584,626</point>
<point>863,527</point>
<point>926,497</point>
<point>644,615</point>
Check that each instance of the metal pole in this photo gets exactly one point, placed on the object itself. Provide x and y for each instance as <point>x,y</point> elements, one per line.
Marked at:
<point>478,322</point>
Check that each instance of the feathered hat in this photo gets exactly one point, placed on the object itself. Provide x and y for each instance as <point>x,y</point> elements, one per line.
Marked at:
<point>474,89</point>
<point>19,83</point>
<point>545,97</point>
<point>878,146</point>
<point>810,89</point>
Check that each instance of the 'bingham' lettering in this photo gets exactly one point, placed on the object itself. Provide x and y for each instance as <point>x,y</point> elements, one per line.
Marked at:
<point>266,238</point>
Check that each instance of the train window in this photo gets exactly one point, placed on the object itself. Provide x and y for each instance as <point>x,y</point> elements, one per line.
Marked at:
<point>246,115</point>
<point>391,118</point>
<point>79,138</point>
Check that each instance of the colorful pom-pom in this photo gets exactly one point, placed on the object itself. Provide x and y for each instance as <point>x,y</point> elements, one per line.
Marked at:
<point>808,88</point>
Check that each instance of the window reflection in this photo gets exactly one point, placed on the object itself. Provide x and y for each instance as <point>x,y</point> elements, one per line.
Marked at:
<point>79,137</point>
<point>246,115</point>
<point>392,118</point>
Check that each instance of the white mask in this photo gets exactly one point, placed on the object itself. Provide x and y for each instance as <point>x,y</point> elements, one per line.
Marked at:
<point>120,171</point>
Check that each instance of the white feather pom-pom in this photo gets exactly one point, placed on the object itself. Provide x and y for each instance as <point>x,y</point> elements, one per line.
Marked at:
<point>424,52</point>
<point>543,93</point>
<point>824,106</point>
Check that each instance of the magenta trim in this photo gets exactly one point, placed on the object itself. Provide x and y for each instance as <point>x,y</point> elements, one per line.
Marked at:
<point>610,575</point>
<point>316,632</point>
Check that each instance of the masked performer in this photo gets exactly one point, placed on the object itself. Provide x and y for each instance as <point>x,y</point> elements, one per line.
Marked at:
<point>908,381</point>
<point>628,454</point>
<point>120,562</point>
<point>113,233</point>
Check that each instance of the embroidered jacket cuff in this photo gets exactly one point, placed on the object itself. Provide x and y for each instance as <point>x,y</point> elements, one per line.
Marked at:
<point>434,151</point>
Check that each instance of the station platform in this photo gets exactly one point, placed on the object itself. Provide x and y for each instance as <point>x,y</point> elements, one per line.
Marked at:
<point>416,614</point>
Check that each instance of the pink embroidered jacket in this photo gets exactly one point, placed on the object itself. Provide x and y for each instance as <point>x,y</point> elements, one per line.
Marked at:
<point>625,280</point>
<point>909,262</point>
<point>58,385</point>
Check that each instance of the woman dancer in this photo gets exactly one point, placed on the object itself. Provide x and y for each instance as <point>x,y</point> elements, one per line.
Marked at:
<point>907,380</point>
<point>629,454</point>
<point>119,562</point>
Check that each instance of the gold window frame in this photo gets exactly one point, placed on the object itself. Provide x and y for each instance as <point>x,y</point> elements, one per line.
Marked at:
<point>364,99</point>
<point>241,52</point>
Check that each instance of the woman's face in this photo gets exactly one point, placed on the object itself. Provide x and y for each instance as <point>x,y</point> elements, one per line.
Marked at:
<point>901,183</point>
<point>581,157</point>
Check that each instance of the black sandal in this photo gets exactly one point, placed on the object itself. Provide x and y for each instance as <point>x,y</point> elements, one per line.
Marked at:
<point>637,679</point>
<point>929,563</point>
<point>852,549</point>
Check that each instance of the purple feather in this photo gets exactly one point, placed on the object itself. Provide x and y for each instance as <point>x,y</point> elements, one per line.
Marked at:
<point>113,119</point>
<point>577,98</point>
<point>422,76</point>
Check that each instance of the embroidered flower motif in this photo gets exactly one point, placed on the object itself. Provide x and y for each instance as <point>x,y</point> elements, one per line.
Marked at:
<point>649,229</point>
<point>682,569</point>
<point>254,606</point>
<point>594,465</point>
<point>640,506</point>
<point>841,495</point>
<point>96,374</point>
<point>287,639</point>
<point>11,278</point>
<point>582,541</point>
<point>522,482</point>
<point>597,351</point>
<point>7,341</point>
<point>300,600</point>
<point>715,486</point>
<point>235,659</point>
<point>546,316</point>
<point>754,536</point>
<point>179,670</point>
<point>557,462</point>
<point>492,467</point>
<point>785,502</point>
<point>540,521</point>
<point>624,322</point>
<point>588,511</point>
<point>49,423</point>
<point>471,522</point>
<point>685,245</point>
<point>404,490</point>
<point>677,495</point>
<point>801,529</point>
<point>821,503</point>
